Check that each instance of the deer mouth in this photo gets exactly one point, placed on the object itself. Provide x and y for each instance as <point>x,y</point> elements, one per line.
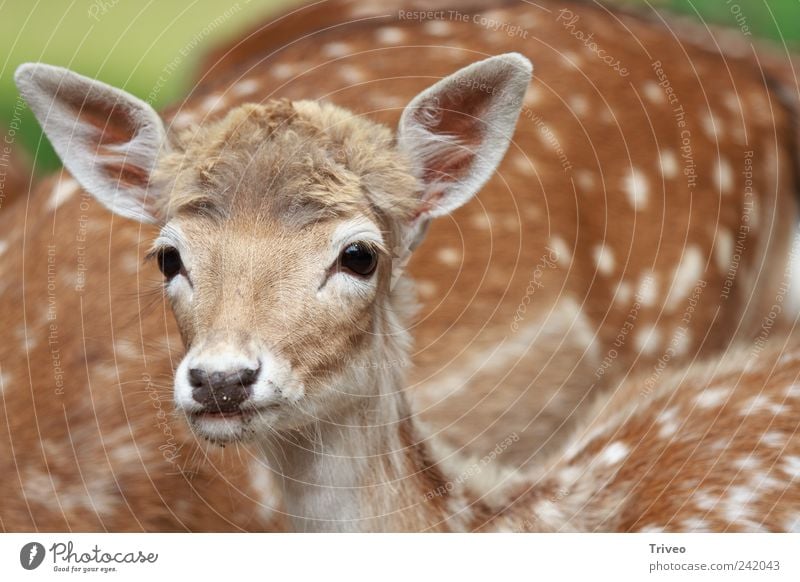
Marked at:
<point>227,426</point>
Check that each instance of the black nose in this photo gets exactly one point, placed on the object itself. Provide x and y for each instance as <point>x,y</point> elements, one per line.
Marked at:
<point>222,391</point>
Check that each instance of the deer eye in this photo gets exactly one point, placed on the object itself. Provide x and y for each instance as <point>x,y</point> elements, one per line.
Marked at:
<point>358,258</point>
<point>169,262</point>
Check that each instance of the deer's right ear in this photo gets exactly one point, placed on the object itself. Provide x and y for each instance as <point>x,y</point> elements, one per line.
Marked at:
<point>109,140</point>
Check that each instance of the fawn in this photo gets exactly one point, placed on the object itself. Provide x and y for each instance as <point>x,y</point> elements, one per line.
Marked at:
<point>475,380</point>
<point>287,294</point>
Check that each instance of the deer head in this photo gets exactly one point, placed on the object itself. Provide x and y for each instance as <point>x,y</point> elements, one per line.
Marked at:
<point>283,227</point>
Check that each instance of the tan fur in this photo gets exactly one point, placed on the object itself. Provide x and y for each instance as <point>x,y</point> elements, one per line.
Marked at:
<point>474,299</point>
<point>492,247</point>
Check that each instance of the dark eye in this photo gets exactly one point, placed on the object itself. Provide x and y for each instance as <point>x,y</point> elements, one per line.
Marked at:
<point>359,258</point>
<point>169,261</point>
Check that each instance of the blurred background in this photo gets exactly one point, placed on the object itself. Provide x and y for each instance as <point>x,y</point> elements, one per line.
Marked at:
<point>132,44</point>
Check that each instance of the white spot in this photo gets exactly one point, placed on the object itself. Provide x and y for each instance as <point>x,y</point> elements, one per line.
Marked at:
<point>524,164</point>
<point>603,259</point>
<point>704,500</point>
<point>757,403</point>
<point>648,339</point>
<point>723,175</point>
<point>213,102</point>
<point>653,92</point>
<point>437,27</point>
<point>579,104</point>
<point>282,71</point>
<point>681,340</point>
<point>570,475</point>
<point>573,59</point>
<point>747,464</point>
<point>528,20</point>
<point>245,87</point>
<point>623,293</point>
<point>426,288</point>
<point>687,274</point>
<point>481,221</point>
<point>711,126</point>
<point>183,119</point>
<point>773,440</point>
<point>351,74</point>
<point>723,249</point>
<point>637,189</point>
<point>668,163</point>
<point>712,397</point>
<point>792,391</point>
<point>651,529</point>
<point>791,466</point>
<point>449,256</point>
<point>669,421</point>
<point>736,504</point>
<point>334,50</point>
<point>532,95</point>
<point>792,524</point>
<point>390,35</point>
<point>64,189</point>
<point>3,247</point>
<point>695,525</point>
<point>614,453</point>
<point>563,252</point>
<point>585,179</point>
<point>732,102</point>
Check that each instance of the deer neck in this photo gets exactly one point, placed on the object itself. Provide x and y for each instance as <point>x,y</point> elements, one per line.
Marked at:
<point>367,467</point>
<point>366,471</point>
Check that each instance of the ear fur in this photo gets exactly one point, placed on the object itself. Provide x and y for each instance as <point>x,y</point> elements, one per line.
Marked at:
<point>456,132</point>
<point>109,140</point>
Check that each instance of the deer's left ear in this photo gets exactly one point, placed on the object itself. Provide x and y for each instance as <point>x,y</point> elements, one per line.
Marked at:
<point>457,131</point>
<point>108,139</point>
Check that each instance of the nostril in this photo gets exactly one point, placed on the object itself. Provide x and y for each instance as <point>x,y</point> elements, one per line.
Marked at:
<point>197,377</point>
<point>248,376</point>
<point>222,391</point>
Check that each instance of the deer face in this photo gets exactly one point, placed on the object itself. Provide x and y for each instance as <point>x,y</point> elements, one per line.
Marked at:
<point>283,227</point>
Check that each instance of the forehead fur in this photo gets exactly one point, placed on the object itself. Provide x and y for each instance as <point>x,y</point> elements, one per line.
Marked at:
<point>293,161</point>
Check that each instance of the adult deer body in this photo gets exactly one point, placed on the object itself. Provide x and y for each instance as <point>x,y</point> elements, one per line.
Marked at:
<point>514,371</point>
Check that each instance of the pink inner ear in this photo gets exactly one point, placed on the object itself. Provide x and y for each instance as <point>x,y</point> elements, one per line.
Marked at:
<point>115,126</point>
<point>457,114</point>
<point>113,121</point>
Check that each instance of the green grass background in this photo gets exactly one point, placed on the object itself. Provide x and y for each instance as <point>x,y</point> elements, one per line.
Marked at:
<point>128,43</point>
